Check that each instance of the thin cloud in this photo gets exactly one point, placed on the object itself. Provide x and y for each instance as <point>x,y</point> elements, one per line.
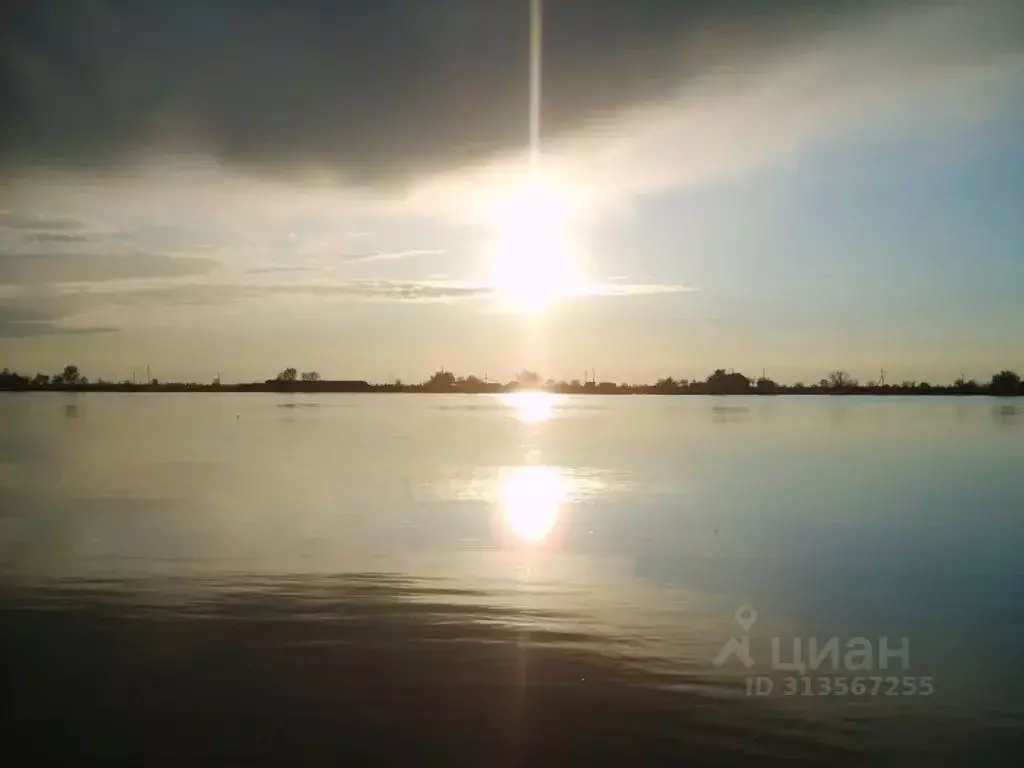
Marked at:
<point>277,268</point>
<point>68,308</point>
<point>633,289</point>
<point>449,291</point>
<point>129,292</point>
<point>391,255</point>
<point>74,299</point>
<point>388,290</point>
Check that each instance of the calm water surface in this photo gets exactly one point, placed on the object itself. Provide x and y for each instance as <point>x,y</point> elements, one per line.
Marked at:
<point>526,580</point>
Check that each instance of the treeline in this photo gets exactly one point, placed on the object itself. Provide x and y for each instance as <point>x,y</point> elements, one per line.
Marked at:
<point>71,378</point>
<point>721,382</point>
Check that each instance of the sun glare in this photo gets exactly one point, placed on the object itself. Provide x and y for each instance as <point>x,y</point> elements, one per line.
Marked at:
<point>533,407</point>
<point>533,263</point>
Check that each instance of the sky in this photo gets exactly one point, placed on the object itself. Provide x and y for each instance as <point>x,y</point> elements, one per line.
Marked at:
<point>236,187</point>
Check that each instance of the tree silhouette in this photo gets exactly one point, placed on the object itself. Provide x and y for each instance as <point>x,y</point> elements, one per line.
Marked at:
<point>722,383</point>
<point>1005,383</point>
<point>441,379</point>
<point>528,378</point>
<point>310,376</point>
<point>40,380</point>
<point>11,380</point>
<point>963,384</point>
<point>70,375</point>
<point>840,380</point>
<point>288,374</point>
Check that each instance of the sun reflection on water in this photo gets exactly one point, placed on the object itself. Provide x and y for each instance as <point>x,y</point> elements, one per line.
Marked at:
<point>533,407</point>
<point>530,498</point>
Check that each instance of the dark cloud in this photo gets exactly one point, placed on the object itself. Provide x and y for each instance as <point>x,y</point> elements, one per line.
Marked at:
<point>38,305</point>
<point>166,236</point>
<point>181,295</point>
<point>56,237</point>
<point>44,311</point>
<point>35,315</point>
<point>30,310</point>
<point>34,268</point>
<point>21,330</point>
<point>372,90</point>
<point>18,220</point>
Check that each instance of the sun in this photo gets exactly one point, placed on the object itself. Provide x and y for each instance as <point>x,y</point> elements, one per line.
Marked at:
<point>532,258</point>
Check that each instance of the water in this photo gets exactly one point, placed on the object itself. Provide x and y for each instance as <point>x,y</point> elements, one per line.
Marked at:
<point>478,579</point>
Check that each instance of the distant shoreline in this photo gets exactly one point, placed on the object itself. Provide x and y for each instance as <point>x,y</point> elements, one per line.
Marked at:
<point>621,390</point>
<point>1006,383</point>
